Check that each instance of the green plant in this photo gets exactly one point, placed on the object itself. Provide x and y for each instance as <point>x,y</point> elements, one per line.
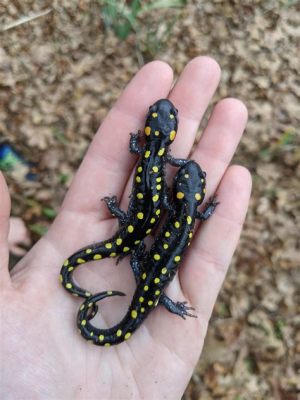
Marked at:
<point>122,16</point>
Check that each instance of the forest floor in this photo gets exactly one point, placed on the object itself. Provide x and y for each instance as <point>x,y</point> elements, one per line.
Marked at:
<point>59,75</point>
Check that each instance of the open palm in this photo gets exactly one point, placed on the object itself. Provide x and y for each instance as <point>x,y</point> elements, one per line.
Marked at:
<point>42,354</point>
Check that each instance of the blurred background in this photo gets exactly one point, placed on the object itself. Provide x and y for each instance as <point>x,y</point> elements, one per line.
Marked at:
<point>64,63</point>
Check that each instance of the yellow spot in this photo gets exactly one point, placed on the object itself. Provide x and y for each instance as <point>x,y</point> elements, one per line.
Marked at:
<point>156,280</point>
<point>137,242</point>
<point>127,336</point>
<point>66,263</point>
<point>161,151</point>
<point>101,338</point>
<point>157,212</point>
<point>155,197</point>
<point>112,255</point>
<point>147,153</point>
<point>150,302</point>
<point>202,180</point>
<point>157,292</point>
<point>165,246</point>
<point>164,271</point>
<point>198,196</point>
<point>156,302</point>
<point>119,332</point>
<point>156,257</point>
<point>158,187</point>
<point>141,299</point>
<point>142,309</point>
<point>148,231</point>
<point>80,260</point>
<point>69,285</point>
<point>125,249</point>
<point>204,190</point>
<point>172,135</point>
<point>92,334</point>
<point>138,179</point>
<point>158,179</point>
<point>167,234</point>
<point>133,314</point>
<point>97,257</point>
<point>180,195</point>
<point>177,224</point>
<point>90,305</point>
<point>147,130</point>
<point>171,116</point>
<point>155,169</point>
<point>177,258</point>
<point>108,245</point>
<point>88,294</point>
<point>140,215</point>
<point>119,241</point>
<point>146,288</point>
<point>144,276</point>
<point>109,292</point>
<point>156,133</point>
<point>189,219</point>
<point>140,196</point>
<point>154,115</point>
<point>60,277</point>
<point>130,228</point>
<point>107,345</point>
<point>140,169</point>
<point>88,251</point>
<point>190,235</point>
<point>83,322</point>
<point>186,176</point>
<point>81,307</point>
<point>152,220</point>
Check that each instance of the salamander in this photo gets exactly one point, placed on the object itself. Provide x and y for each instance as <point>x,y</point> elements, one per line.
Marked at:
<point>155,270</point>
<point>149,194</point>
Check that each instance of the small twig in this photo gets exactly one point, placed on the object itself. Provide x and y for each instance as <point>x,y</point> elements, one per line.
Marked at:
<point>25,19</point>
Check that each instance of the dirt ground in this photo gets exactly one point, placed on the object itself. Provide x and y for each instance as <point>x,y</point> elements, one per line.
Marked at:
<point>60,73</point>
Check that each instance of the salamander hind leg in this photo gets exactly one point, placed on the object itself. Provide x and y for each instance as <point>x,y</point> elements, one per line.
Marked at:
<point>114,209</point>
<point>179,307</point>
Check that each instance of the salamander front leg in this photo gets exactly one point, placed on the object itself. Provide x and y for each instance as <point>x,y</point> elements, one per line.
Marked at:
<point>134,145</point>
<point>114,209</point>
<point>178,307</point>
<point>176,162</point>
<point>210,207</point>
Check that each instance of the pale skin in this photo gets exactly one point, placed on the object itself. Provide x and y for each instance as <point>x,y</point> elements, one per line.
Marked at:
<point>42,354</point>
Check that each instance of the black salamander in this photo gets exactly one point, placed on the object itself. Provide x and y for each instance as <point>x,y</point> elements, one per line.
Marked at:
<point>148,197</point>
<point>154,270</point>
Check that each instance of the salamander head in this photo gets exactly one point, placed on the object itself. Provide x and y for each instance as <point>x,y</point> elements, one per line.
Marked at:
<point>161,122</point>
<point>189,183</point>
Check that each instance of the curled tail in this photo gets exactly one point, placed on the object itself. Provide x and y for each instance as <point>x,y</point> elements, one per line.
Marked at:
<point>105,337</point>
<point>95,252</point>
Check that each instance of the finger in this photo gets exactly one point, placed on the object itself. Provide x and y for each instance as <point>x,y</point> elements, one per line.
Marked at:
<point>107,164</point>
<point>220,140</point>
<point>210,253</point>
<point>191,95</point>
<point>4,228</point>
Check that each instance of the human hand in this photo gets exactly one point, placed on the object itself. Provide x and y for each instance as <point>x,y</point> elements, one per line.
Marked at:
<point>42,354</point>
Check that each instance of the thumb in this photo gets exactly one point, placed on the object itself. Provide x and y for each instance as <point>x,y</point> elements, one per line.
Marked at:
<point>4,228</point>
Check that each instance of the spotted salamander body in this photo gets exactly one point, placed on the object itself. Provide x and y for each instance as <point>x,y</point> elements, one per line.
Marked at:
<point>154,270</point>
<point>148,197</point>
